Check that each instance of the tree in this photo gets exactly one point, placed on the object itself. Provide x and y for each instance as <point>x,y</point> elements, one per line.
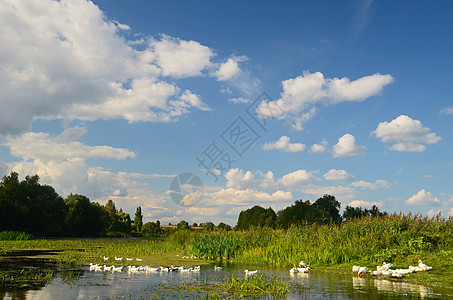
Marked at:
<point>31,207</point>
<point>124,222</point>
<point>208,226</point>
<point>329,204</point>
<point>151,228</point>
<point>299,213</point>
<point>183,225</point>
<point>138,220</point>
<point>224,227</point>
<point>256,216</point>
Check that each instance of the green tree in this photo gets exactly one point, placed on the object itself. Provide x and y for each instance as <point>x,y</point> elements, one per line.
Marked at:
<point>29,206</point>
<point>150,228</point>
<point>224,227</point>
<point>83,217</point>
<point>111,217</point>
<point>183,225</point>
<point>256,216</point>
<point>329,204</point>
<point>124,222</point>
<point>138,220</point>
<point>299,213</point>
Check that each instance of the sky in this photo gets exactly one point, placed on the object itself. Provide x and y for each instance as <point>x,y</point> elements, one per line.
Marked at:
<point>198,110</point>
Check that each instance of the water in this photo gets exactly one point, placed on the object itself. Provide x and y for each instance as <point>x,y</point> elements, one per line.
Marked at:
<point>166,285</point>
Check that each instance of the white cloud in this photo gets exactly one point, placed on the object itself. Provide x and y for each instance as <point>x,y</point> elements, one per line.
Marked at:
<point>283,144</point>
<point>179,58</point>
<point>423,198</point>
<point>230,68</point>
<point>346,147</point>
<point>433,212</point>
<point>341,193</point>
<point>340,175</point>
<point>446,111</point>
<point>238,179</point>
<point>66,59</point>
<point>362,203</point>
<point>44,148</point>
<point>231,196</point>
<point>377,185</point>
<point>406,133</point>
<point>300,94</point>
<point>239,100</point>
<point>299,177</point>
<point>319,148</point>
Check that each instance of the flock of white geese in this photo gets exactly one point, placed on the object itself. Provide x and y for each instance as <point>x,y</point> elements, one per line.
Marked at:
<point>385,270</point>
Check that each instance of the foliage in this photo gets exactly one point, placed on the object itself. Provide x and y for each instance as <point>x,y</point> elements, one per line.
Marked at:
<point>138,220</point>
<point>301,212</point>
<point>37,209</point>
<point>329,204</point>
<point>31,207</point>
<point>183,225</point>
<point>15,236</point>
<point>256,216</point>
<point>150,228</point>
<point>359,212</point>
<point>258,284</point>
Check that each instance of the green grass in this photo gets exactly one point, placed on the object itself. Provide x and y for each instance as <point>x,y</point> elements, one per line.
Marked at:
<point>258,284</point>
<point>400,239</point>
<point>15,236</point>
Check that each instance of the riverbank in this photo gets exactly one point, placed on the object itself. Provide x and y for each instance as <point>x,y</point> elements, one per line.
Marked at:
<point>401,240</point>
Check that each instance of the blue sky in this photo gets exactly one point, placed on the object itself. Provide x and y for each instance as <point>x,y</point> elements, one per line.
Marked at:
<point>113,99</point>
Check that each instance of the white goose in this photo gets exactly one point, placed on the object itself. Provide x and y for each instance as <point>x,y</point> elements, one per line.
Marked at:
<point>108,268</point>
<point>293,270</point>
<point>303,270</point>
<point>247,272</point>
<point>117,269</point>
<point>106,258</point>
<point>362,271</point>
<point>424,267</point>
<point>118,258</point>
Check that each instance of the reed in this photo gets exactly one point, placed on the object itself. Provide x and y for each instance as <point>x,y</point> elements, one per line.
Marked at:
<point>394,237</point>
<point>15,236</point>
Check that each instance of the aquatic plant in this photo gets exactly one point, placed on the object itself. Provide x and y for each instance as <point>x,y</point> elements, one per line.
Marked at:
<point>257,284</point>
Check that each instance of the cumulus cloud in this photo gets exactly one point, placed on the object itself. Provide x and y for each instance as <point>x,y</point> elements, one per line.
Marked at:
<point>300,94</point>
<point>230,68</point>
<point>340,175</point>
<point>423,198</point>
<point>299,177</point>
<point>406,134</point>
<point>319,148</point>
<point>179,58</point>
<point>66,59</point>
<point>346,146</point>
<point>283,144</point>
<point>239,179</point>
<point>377,185</point>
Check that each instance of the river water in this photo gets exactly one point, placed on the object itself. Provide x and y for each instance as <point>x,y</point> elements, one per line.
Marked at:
<point>166,285</point>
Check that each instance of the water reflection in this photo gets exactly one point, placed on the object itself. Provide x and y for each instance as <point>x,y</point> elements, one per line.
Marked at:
<point>166,285</point>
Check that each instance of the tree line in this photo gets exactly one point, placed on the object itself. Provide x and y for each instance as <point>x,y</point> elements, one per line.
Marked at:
<point>37,209</point>
<point>325,210</point>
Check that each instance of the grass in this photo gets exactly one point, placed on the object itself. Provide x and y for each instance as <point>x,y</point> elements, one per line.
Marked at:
<point>15,236</point>
<point>258,284</point>
<point>400,239</point>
